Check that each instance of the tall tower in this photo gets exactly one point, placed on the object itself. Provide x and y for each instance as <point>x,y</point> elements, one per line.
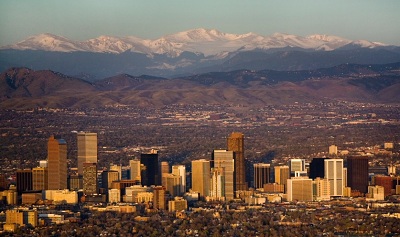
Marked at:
<point>57,163</point>
<point>357,173</point>
<point>150,174</point>
<point>180,170</point>
<point>40,178</point>
<point>24,180</point>
<point>282,174</point>
<point>135,169</point>
<point>90,178</point>
<point>317,168</point>
<point>217,184</point>
<point>201,177</point>
<point>261,174</point>
<point>236,144</point>
<point>87,149</point>
<point>296,165</point>
<point>335,174</point>
<point>225,159</point>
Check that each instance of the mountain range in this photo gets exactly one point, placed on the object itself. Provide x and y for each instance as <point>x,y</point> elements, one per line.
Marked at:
<point>27,88</point>
<point>190,52</point>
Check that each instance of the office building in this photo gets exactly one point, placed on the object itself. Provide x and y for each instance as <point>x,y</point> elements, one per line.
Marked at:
<point>321,189</point>
<point>57,163</point>
<point>178,204</point>
<point>334,173</point>
<point>225,159</point>
<point>261,175</point>
<point>217,190</point>
<point>384,181</point>
<point>39,178</point>
<point>117,168</point>
<point>75,182</point>
<point>235,143</point>
<point>114,195</point>
<point>333,151</point>
<point>107,177</point>
<point>24,180</point>
<point>22,217</point>
<point>282,174</point>
<point>296,165</point>
<point>180,171</point>
<point>201,177</point>
<point>150,170</point>
<point>172,184</point>
<point>135,169</point>
<point>159,201</point>
<point>357,173</point>
<point>87,149</point>
<point>90,178</point>
<point>317,168</point>
<point>299,189</point>
<point>376,193</point>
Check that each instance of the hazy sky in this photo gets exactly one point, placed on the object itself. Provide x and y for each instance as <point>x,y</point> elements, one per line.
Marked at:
<point>373,20</point>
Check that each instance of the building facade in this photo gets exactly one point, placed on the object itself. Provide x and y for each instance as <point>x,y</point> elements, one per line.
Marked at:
<point>235,143</point>
<point>87,149</point>
<point>57,163</point>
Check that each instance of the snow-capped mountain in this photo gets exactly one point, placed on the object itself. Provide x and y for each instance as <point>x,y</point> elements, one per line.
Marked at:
<point>200,41</point>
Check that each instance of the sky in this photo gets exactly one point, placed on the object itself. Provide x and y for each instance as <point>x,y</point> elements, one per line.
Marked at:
<point>373,20</point>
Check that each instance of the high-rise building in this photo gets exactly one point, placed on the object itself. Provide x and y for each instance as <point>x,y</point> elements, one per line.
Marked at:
<point>357,173</point>
<point>159,201</point>
<point>225,159</point>
<point>75,182</point>
<point>87,149</point>
<point>296,165</point>
<point>90,178</point>
<point>236,144</point>
<point>386,182</point>
<point>282,174</point>
<point>217,191</point>
<point>333,150</point>
<point>317,168</point>
<point>180,171</point>
<point>201,177</point>
<point>24,180</point>
<point>300,189</point>
<point>172,184</point>
<point>40,178</point>
<point>322,189</point>
<point>150,169</point>
<point>135,169</point>
<point>107,177</point>
<point>117,168</point>
<point>262,173</point>
<point>335,174</point>
<point>57,163</point>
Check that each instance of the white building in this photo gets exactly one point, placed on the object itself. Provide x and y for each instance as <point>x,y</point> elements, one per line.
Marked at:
<point>334,172</point>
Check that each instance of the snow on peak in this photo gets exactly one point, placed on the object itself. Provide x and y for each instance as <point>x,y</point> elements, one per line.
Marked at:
<point>199,41</point>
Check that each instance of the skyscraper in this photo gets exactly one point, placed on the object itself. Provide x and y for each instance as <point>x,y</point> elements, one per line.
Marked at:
<point>135,169</point>
<point>296,165</point>
<point>261,174</point>
<point>172,184</point>
<point>87,149</point>
<point>217,190</point>
<point>40,178</point>
<point>236,144</point>
<point>335,174</point>
<point>317,168</point>
<point>282,174</point>
<point>180,170</point>
<point>150,173</point>
<point>201,177</point>
<point>90,178</point>
<point>225,159</point>
<point>57,163</point>
<point>357,173</point>
<point>300,189</point>
<point>24,180</point>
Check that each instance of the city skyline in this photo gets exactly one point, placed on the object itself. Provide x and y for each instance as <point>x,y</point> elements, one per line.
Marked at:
<point>369,20</point>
